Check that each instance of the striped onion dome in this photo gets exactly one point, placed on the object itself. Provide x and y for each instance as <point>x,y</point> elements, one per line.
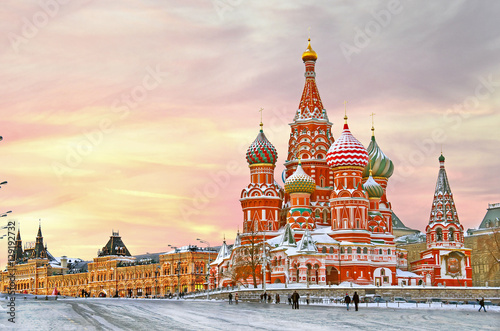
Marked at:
<point>261,150</point>
<point>347,151</point>
<point>300,182</point>
<point>381,165</point>
<point>373,188</point>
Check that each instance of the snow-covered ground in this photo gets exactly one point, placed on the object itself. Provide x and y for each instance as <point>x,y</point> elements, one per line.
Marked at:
<point>147,314</point>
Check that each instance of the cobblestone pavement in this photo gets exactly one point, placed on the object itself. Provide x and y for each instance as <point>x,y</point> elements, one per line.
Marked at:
<point>137,314</point>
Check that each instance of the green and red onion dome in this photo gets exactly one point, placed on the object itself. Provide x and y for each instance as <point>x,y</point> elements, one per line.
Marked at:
<point>374,189</point>
<point>382,166</point>
<point>261,151</point>
<point>300,182</point>
<point>347,151</point>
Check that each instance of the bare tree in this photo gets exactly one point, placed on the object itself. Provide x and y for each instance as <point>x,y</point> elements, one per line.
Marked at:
<point>247,259</point>
<point>493,246</point>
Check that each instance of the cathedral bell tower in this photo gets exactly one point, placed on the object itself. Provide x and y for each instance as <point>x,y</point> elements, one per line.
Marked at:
<point>310,139</point>
<point>261,200</point>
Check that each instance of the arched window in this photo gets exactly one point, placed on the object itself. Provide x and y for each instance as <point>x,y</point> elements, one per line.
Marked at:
<point>323,250</point>
<point>358,250</point>
<point>322,179</point>
<point>342,250</point>
<point>331,250</point>
<point>380,251</point>
<point>451,234</point>
<point>382,272</point>
<point>349,250</point>
<point>365,250</point>
<point>389,251</point>
<point>439,234</point>
<point>317,213</point>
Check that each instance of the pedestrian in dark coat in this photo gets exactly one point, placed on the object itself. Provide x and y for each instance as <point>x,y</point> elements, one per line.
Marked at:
<point>277,299</point>
<point>295,300</point>
<point>355,299</point>
<point>347,300</point>
<point>265,297</point>
<point>230,298</point>
<point>481,305</point>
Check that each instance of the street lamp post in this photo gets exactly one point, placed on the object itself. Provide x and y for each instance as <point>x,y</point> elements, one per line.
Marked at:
<point>208,266</point>
<point>340,264</point>
<point>178,269</point>
<point>264,263</point>
<point>157,271</point>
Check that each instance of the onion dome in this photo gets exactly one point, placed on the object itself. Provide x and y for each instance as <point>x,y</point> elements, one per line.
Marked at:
<point>300,182</point>
<point>373,188</point>
<point>309,54</point>
<point>347,151</point>
<point>261,150</point>
<point>441,158</point>
<point>381,165</point>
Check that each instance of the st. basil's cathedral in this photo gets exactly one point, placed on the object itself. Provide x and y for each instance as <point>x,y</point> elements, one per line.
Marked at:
<point>332,222</point>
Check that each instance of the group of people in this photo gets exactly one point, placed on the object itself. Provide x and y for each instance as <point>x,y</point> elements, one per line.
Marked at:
<point>235,298</point>
<point>355,300</point>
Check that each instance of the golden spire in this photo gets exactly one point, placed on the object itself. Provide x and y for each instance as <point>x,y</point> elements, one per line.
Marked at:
<point>309,54</point>
<point>373,128</point>
<point>300,162</point>
<point>261,124</point>
<point>345,111</point>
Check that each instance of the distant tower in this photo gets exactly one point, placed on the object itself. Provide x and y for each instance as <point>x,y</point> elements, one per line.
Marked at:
<point>39,251</point>
<point>445,261</point>
<point>444,229</point>
<point>349,202</point>
<point>310,139</point>
<point>18,255</point>
<point>261,200</point>
<point>300,186</point>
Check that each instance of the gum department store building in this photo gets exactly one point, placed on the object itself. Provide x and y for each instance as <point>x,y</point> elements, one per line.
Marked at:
<point>331,223</point>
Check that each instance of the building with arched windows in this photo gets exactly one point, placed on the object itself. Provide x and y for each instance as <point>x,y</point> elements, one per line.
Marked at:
<point>332,220</point>
<point>446,261</point>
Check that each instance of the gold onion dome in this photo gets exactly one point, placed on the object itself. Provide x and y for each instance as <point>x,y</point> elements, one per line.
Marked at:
<point>309,54</point>
<point>382,165</point>
<point>373,188</point>
<point>300,182</point>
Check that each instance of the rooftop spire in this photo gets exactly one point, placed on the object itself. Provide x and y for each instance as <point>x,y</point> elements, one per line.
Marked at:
<point>310,106</point>
<point>373,127</point>
<point>345,112</point>
<point>261,124</point>
<point>443,206</point>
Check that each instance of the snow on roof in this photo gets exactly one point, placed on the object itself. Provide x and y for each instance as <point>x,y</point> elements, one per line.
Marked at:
<point>223,253</point>
<point>307,244</point>
<point>401,273</point>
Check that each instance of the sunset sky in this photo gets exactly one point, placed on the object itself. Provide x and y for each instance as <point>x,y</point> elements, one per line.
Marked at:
<point>136,115</point>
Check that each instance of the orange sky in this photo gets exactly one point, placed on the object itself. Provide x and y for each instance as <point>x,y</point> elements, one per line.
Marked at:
<point>135,116</point>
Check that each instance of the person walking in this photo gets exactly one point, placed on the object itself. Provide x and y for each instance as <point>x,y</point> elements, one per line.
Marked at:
<point>307,298</point>
<point>289,299</point>
<point>236,298</point>
<point>265,297</point>
<point>295,300</point>
<point>347,300</point>
<point>230,298</point>
<point>277,299</point>
<point>481,304</point>
<point>355,299</point>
